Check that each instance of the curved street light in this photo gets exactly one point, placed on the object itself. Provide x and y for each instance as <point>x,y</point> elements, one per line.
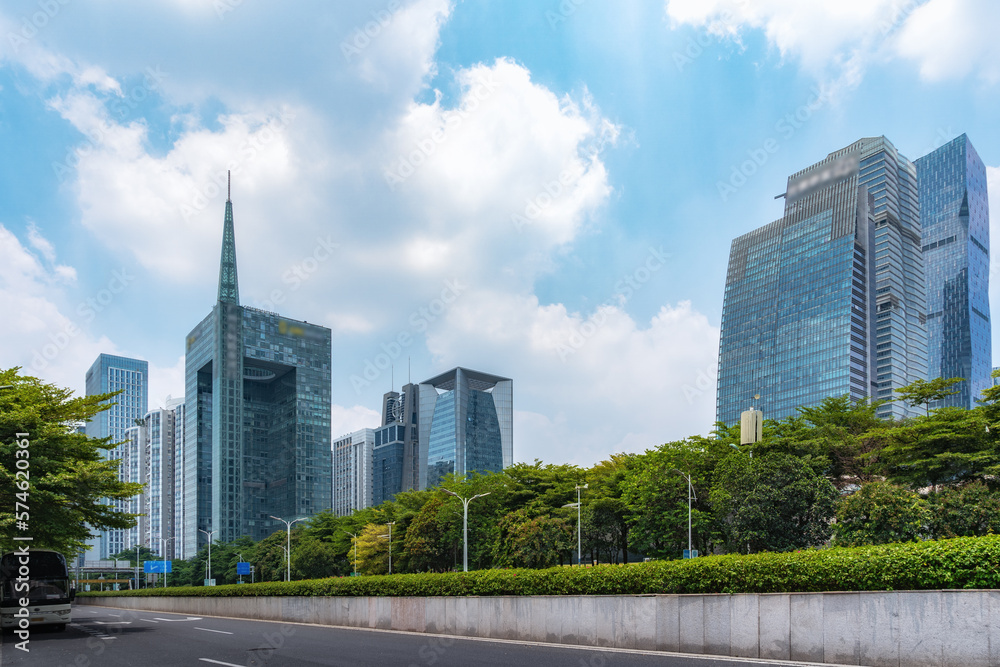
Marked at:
<point>288,551</point>
<point>209,533</point>
<point>465,525</point>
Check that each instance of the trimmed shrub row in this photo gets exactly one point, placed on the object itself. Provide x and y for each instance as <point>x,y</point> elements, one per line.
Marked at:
<point>965,562</point>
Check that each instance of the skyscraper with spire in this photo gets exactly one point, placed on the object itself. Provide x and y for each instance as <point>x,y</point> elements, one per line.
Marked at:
<point>258,416</point>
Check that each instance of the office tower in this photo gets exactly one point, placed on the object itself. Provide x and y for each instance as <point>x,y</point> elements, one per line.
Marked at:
<point>164,435</point>
<point>829,299</point>
<point>352,471</point>
<point>396,455</point>
<point>133,464</point>
<point>954,214</point>
<point>177,407</point>
<point>466,419</point>
<point>108,374</point>
<point>458,422</point>
<point>257,417</point>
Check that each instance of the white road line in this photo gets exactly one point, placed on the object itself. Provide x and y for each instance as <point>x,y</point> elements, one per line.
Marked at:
<point>219,662</point>
<point>221,632</point>
<point>113,622</point>
<point>178,620</point>
<point>148,620</point>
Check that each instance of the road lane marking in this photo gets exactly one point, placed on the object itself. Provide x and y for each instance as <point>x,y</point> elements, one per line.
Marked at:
<point>219,662</point>
<point>148,620</point>
<point>113,622</point>
<point>221,632</point>
<point>178,620</point>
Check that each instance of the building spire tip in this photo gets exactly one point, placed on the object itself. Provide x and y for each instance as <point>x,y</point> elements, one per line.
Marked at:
<point>229,186</point>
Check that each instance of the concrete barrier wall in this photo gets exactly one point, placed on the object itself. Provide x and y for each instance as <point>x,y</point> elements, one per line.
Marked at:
<point>904,629</point>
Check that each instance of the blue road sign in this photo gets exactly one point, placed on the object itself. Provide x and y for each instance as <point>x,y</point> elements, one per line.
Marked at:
<point>157,566</point>
<point>243,568</point>
<point>691,554</point>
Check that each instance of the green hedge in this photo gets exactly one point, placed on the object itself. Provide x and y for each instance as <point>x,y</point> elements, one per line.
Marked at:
<point>966,562</point>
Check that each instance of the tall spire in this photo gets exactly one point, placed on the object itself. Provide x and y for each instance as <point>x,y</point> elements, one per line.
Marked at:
<point>229,288</point>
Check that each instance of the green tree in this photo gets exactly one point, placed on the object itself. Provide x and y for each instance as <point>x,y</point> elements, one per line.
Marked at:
<point>772,503</point>
<point>656,496</point>
<point>432,537</point>
<point>373,549</point>
<point>605,530</point>
<point>949,446</point>
<point>833,438</point>
<point>925,392</point>
<point>967,511</point>
<point>537,542</point>
<point>879,513</point>
<point>315,559</point>
<point>59,476</point>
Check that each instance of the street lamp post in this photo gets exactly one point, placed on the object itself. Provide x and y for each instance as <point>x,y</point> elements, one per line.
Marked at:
<point>355,551</point>
<point>391,523</point>
<point>209,533</point>
<point>690,494</point>
<point>579,540</point>
<point>163,556</point>
<point>288,552</point>
<point>465,525</point>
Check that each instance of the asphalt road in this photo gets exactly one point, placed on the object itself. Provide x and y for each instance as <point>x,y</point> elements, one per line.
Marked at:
<point>103,637</point>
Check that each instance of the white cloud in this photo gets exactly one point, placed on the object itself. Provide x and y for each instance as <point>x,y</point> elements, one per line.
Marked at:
<point>954,38</point>
<point>836,39</point>
<point>36,332</point>
<point>396,42</point>
<point>345,420</point>
<point>596,383</point>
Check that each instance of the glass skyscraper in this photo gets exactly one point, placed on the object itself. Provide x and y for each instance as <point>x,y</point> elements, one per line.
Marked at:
<point>466,421</point>
<point>829,299</point>
<point>110,373</point>
<point>954,211</point>
<point>257,417</point>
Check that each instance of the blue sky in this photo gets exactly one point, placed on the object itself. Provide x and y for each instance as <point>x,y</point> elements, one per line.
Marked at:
<point>539,190</point>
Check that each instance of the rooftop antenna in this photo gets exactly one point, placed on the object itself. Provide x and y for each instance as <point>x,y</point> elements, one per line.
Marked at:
<point>229,186</point>
<point>392,378</point>
<point>409,379</point>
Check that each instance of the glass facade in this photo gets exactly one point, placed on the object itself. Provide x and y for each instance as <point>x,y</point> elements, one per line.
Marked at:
<point>257,417</point>
<point>829,299</point>
<point>110,373</point>
<point>954,209</point>
<point>469,429</point>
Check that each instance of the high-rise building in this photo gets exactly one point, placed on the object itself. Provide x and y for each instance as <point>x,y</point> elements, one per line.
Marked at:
<point>954,214</point>
<point>397,461</point>
<point>352,471</point>
<point>829,299</point>
<point>257,417</point>
<point>458,422</point>
<point>466,419</point>
<point>108,374</point>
